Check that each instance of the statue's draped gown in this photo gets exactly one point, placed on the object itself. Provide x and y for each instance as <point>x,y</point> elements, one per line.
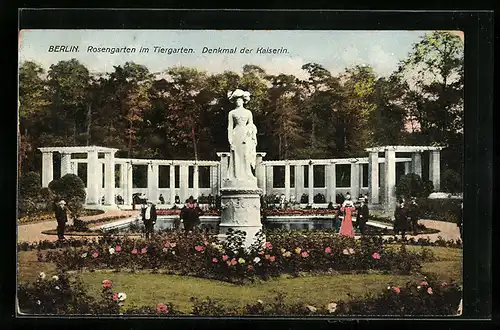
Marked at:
<point>240,121</point>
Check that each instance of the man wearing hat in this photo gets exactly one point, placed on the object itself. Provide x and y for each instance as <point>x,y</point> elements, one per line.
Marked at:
<point>149,218</point>
<point>61,218</point>
<point>190,214</point>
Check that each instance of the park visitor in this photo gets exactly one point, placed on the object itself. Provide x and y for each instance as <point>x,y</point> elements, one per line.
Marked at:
<point>190,215</point>
<point>62,218</point>
<point>401,219</point>
<point>346,228</point>
<point>149,218</point>
<point>363,214</point>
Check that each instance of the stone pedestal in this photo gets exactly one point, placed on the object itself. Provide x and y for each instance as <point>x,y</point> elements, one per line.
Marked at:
<point>240,210</point>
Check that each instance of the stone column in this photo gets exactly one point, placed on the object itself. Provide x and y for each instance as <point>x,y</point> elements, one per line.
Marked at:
<point>390,179</point>
<point>407,167</point>
<point>184,182</point>
<point>130,183</point>
<point>416,162</point>
<point>65,163</point>
<point>153,173</point>
<point>269,179</point>
<point>47,168</point>
<point>354,181</point>
<point>299,182</point>
<point>172,183</point>
<point>382,181</point>
<point>311,183</point>
<point>123,181</point>
<point>373,184</point>
<point>94,169</point>
<point>73,168</point>
<point>214,182</point>
<point>260,171</point>
<point>435,169</point>
<point>331,183</point>
<point>109,198</point>
<point>287,180</point>
<point>196,183</point>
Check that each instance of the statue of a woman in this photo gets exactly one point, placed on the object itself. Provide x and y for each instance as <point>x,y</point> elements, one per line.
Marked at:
<point>242,136</point>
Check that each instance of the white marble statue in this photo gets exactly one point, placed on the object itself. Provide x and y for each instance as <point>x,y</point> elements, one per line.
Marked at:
<point>242,136</point>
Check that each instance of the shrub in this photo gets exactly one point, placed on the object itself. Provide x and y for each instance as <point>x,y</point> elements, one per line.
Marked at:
<point>72,189</point>
<point>30,185</point>
<point>438,209</point>
<point>451,182</point>
<point>304,199</point>
<point>319,198</point>
<point>410,185</point>
<point>428,188</point>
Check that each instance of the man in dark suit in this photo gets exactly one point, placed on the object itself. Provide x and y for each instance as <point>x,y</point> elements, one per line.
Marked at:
<point>149,218</point>
<point>362,216</point>
<point>190,215</point>
<point>62,218</point>
<point>401,219</point>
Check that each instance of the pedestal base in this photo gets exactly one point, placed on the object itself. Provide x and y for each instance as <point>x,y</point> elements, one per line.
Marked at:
<point>240,210</point>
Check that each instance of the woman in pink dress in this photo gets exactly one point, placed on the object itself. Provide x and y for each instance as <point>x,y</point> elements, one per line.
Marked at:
<point>346,228</point>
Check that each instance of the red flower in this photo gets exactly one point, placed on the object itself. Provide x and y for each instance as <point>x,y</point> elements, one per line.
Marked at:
<point>107,284</point>
<point>429,291</point>
<point>269,246</point>
<point>424,283</point>
<point>250,267</point>
<point>199,248</point>
<point>233,262</point>
<point>118,248</point>
<point>228,262</point>
<point>272,258</point>
<point>134,251</point>
<point>161,308</point>
<point>95,254</point>
<point>267,256</point>
<point>215,260</point>
<point>144,250</point>
<point>304,254</point>
<point>396,289</point>
<point>173,244</point>
<point>167,244</point>
<point>375,255</point>
<point>225,257</point>
<point>115,296</point>
<point>444,284</point>
<point>328,250</point>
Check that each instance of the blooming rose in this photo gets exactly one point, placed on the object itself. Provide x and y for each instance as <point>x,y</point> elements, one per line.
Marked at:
<point>351,250</point>
<point>424,283</point>
<point>331,307</point>
<point>328,250</point>
<point>256,260</point>
<point>225,257</point>
<point>111,251</point>
<point>115,296</point>
<point>205,242</point>
<point>165,249</point>
<point>272,258</point>
<point>345,251</point>
<point>199,248</point>
<point>418,287</point>
<point>282,250</point>
<point>269,246</point>
<point>122,296</point>
<point>444,284</point>
<point>161,308</point>
<point>144,250</point>
<point>95,254</point>
<point>304,254</point>
<point>233,262</point>
<point>287,254</point>
<point>228,262</point>
<point>58,288</point>
<point>429,291</point>
<point>396,289</point>
<point>215,260</point>
<point>173,244</point>
<point>298,250</point>
<point>375,255</point>
<point>267,256</point>
<point>167,244</point>
<point>84,255</point>
<point>107,284</point>
<point>250,267</point>
<point>241,260</point>
<point>134,251</point>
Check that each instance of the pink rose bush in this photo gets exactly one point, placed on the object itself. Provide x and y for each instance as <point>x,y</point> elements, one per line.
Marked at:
<point>203,255</point>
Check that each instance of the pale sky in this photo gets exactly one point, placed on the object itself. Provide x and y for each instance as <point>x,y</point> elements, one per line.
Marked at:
<point>335,50</point>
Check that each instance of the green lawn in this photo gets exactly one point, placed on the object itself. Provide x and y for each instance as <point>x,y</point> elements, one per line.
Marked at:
<point>146,289</point>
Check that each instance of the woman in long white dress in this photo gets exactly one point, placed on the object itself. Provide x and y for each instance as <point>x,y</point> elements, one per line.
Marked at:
<point>242,136</point>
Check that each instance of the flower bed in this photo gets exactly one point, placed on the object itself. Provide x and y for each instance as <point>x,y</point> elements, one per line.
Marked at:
<point>198,254</point>
<point>62,295</point>
<point>82,227</point>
